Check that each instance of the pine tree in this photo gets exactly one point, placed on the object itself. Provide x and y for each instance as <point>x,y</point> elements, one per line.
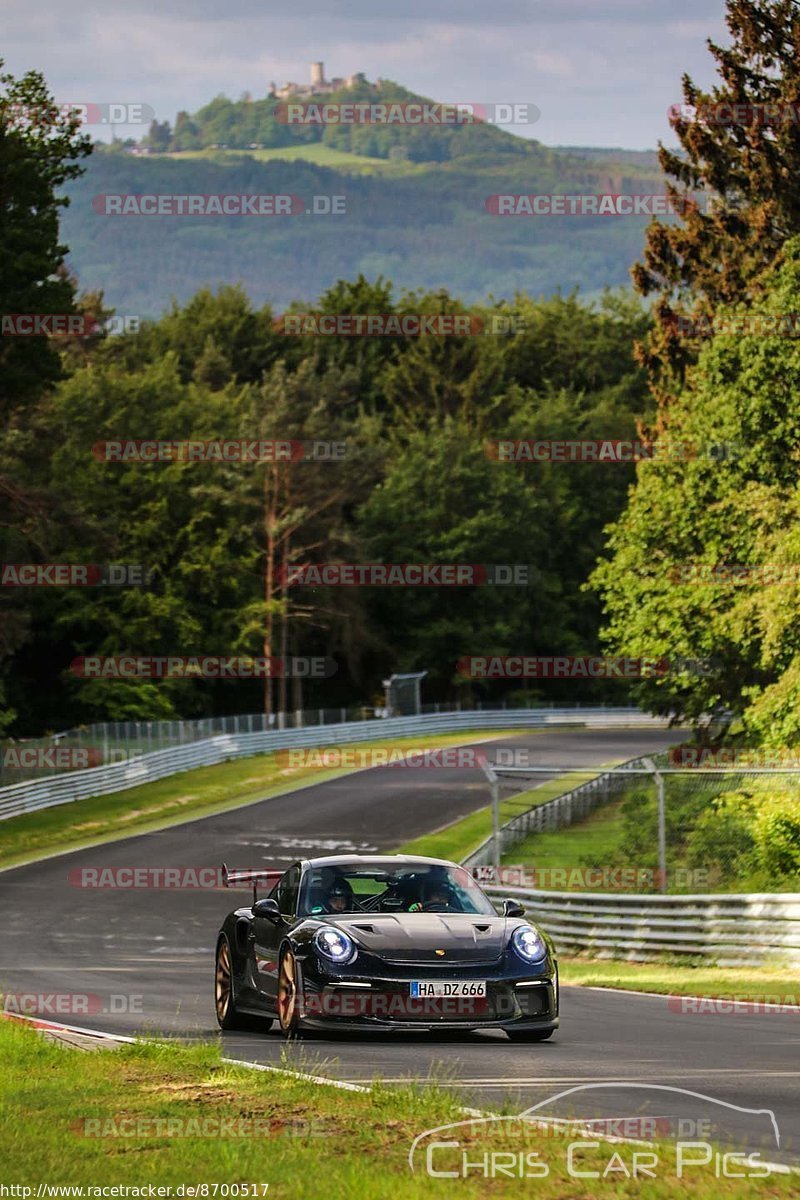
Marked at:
<point>39,151</point>
<point>740,145</point>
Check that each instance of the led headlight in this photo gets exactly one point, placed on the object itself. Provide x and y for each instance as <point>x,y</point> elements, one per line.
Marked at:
<point>334,945</point>
<point>528,944</point>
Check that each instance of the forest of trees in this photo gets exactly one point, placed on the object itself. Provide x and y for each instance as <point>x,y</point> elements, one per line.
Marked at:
<point>416,485</point>
<point>603,541</point>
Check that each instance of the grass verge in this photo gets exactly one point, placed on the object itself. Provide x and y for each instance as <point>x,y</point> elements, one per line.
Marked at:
<point>776,985</point>
<point>597,838</point>
<point>312,1139</point>
<point>183,797</point>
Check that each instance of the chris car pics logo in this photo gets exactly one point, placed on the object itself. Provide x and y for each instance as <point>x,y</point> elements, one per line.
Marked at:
<point>636,1146</point>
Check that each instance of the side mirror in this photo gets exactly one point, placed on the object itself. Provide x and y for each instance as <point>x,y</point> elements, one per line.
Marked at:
<point>513,908</point>
<point>268,909</point>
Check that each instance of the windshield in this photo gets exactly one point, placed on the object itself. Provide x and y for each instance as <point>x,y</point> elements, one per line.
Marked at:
<point>407,888</point>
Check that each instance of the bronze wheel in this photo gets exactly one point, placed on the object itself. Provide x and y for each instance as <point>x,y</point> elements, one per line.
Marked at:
<point>287,995</point>
<point>224,1000</point>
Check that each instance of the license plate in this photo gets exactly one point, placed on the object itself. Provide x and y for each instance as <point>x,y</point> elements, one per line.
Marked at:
<point>450,987</point>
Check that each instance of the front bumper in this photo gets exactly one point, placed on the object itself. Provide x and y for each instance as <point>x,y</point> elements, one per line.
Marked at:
<point>387,1004</point>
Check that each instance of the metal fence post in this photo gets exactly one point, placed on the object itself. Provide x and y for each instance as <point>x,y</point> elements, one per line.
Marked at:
<point>494,787</point>
<point>496,847</point>
<point>662,825</point>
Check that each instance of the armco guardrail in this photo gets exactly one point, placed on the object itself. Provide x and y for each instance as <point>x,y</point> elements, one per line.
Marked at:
<point>731,930</point>
<point>98,781</point>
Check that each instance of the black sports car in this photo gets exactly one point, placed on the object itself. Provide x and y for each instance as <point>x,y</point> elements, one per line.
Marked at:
<point>385,942</point>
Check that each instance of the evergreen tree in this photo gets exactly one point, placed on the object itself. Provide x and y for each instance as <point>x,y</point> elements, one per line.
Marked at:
<point>740,145</point>
<point>39,151</point>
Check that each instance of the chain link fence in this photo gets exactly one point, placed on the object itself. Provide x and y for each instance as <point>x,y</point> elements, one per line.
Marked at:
<point>648,826</point>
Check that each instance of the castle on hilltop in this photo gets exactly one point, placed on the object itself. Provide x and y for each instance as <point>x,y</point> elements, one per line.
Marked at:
<point>318,83</point>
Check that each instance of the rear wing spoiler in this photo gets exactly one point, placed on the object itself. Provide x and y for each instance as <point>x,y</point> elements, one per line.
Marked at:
<point>249,877</point>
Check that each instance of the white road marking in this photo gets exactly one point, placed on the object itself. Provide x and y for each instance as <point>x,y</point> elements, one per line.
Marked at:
<point>539,1081</point>
<point>784,1008</point>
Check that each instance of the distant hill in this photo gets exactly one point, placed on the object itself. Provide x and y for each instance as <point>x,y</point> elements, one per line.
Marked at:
<point>249,124</point>
<point>420,221</point>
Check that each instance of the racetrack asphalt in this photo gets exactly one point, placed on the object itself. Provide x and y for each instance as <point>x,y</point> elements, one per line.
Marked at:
<point>144,959</point>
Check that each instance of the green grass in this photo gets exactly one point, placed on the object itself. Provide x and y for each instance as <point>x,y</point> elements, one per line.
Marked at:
<point>596,837</point>
<point>178,798</point>
<point>776,984</point>
<point>314,152</point>
<point>315,1140</point>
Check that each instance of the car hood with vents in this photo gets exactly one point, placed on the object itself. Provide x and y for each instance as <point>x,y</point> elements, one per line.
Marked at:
<point>416,937</point>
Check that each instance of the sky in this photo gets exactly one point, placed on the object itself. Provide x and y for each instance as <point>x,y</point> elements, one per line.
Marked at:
<point>601,72</point>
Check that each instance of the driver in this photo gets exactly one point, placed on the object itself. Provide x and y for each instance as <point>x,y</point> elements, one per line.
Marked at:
<point>340,898</point>
<point>436,894</point>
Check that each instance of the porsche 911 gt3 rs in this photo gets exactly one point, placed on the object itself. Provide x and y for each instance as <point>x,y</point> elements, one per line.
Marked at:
<point>382,942</point>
